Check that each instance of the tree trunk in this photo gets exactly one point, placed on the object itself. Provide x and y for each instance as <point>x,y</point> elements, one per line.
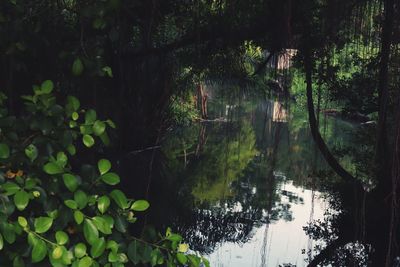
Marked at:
<point>382,158</point>
<point>330,159</point>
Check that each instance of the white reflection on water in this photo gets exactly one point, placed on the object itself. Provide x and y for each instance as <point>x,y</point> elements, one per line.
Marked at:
<point>279,243</point>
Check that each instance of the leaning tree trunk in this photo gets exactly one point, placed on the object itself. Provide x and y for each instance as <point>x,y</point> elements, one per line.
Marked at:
<point>326,153</point>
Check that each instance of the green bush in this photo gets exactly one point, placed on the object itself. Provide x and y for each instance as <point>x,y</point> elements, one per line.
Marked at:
<point>56,211</point>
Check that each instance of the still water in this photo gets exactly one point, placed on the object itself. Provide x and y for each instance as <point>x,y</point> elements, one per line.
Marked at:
<point>241,187</point>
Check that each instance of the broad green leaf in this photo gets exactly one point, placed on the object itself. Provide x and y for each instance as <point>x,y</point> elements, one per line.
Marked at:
<point>90,116</point>
<point>98,248</point>
<point>99,127</point>
<point>140,205</point>
<point>62,159</point>
<point>120,199</point>
<point>85,262</point>
<point>31,152</point>
<point>73,103</point>
<point>22,221</point>
<point>8,232</point>
<point>71,149</point>
<point>57,252</point>
<point>111,244</point>
<point>39,251</point>
<point>133,252</point>
<point>110,178</point>
<point>10,187</point>
<point>4,151</point>
<point>90,232</point>
<point>47,86</point>
<point>77,67</point>
<point>104,166</point>
<point>53,168</point>
<point>103,203</point>
<point>81,199</point>
<point>70,181</point>
<point>80,250</point>
<point>71,204</point>
<point>18,262</point>
<point>1,242</point>
<point>21,199</point>
<point>61,237</point>
<point>181,258</point>
<point>88,140</point>
<point>78,216</point>
<point>174,238</point>
<point>205,261</point>
<point>102,225</point>
<point>121,224</point>
<point>43,224</point>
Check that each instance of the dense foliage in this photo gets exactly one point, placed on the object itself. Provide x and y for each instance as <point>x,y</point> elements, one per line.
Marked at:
<point>58,211</point>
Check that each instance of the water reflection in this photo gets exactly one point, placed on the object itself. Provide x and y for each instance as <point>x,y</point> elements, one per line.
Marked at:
<point>247,183</point>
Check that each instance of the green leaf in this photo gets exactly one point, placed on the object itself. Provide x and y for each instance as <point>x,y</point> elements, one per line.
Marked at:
<point>71,149</point>
<point>53,168</point>
<point>77,67</point>
<point>70,181</point>
<point>1,242</point>
<point>22,221</point>
<point>21,199</point>
<point>75,115</point>
<point>43,224</point>
<point>39,251</point>
<point>8,232</point>
<point>90,116</point>
<point>98,248</point>
<point>111,244</point>
<point>57,252</point>
<point>181,258</point>
<point>108,71</point>
<point>73,103</point>
<point>80,250</point>
<point>62,159</point>
<point>47,86</point>
<point>99,127</point>
<point>103,203</point>
<point>111,124</point>
<point>174,238</point>
<point>120,199</point>
<point>31,152</point>
<point>133,252</point>
<point>140,205</point>
<point>85,262</point>
<point>78,216</point>
<point>61,237</point>
<point>71,204</point>
<point>104,166</point>
<point>102,225</point>
<point>88,140</point>
<point>90,232</point>
<point>81,199</point>
<point>11,188</point>
<point>4,151</point>
<point>18,262</point>
<point>110,178</point>
<point>121,224</point>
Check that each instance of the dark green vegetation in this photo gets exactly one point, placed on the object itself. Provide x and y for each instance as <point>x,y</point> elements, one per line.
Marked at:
<point>57,211</point>
<point>146,64</point>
